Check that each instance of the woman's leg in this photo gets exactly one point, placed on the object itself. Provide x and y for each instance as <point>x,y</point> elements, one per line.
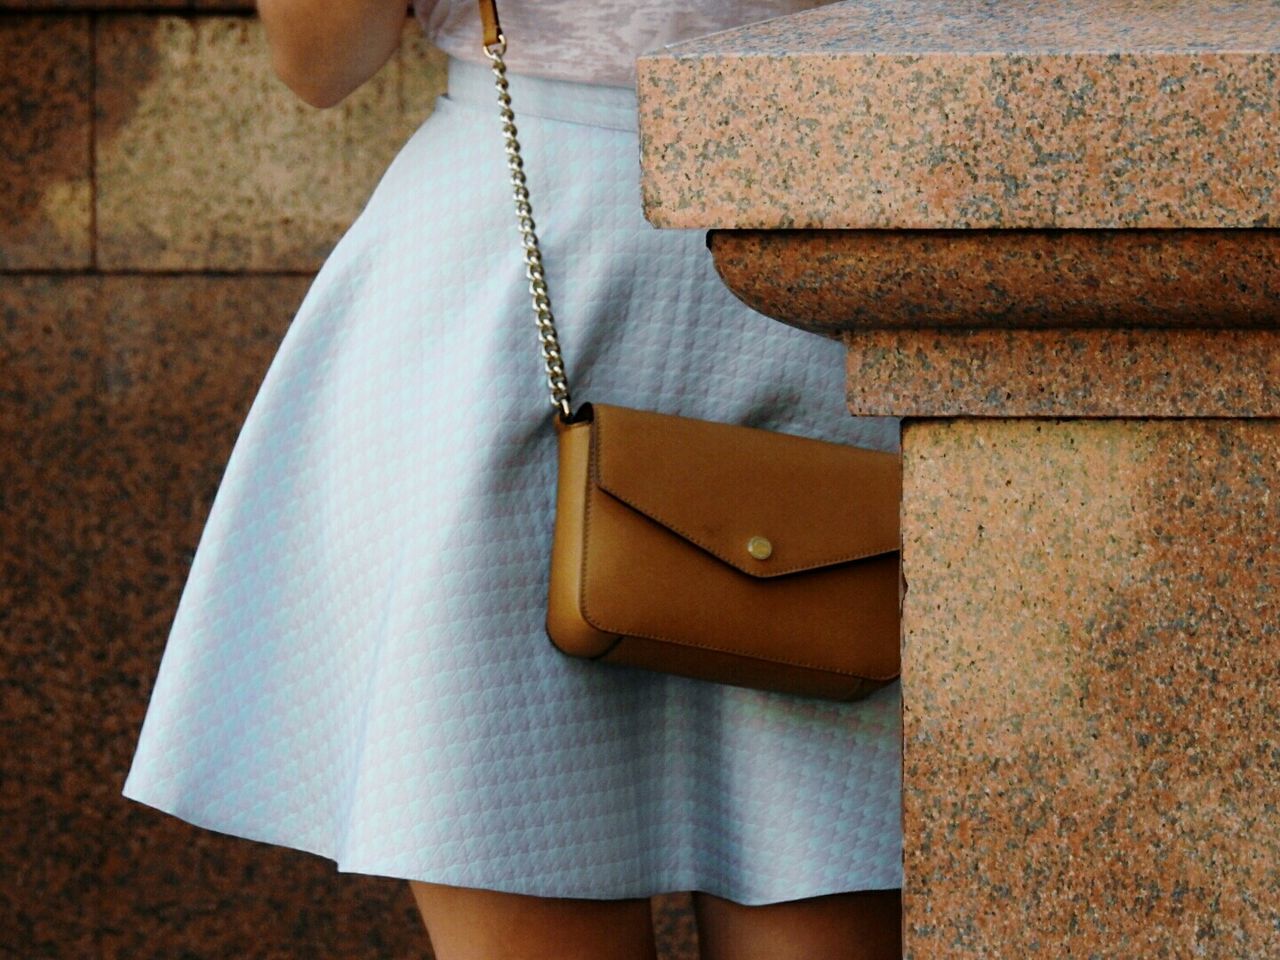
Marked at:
<point>470,924</point>
<point>865,925</point>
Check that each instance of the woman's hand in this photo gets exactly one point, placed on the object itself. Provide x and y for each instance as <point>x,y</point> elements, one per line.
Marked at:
<point>325,49</point>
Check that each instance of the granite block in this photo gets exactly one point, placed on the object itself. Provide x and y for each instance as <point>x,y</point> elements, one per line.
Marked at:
<point>1091,705</point>
<point>970,114</point>
<point>206,161</point>
<point>52,773</point>
<point>1137,372</point>
<point>45,189</point>
<point>828,281</point>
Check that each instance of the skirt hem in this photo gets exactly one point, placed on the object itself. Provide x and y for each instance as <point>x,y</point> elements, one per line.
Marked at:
<point>678,883</point>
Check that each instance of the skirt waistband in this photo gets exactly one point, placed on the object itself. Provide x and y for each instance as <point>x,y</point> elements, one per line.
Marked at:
<point>471,84</point>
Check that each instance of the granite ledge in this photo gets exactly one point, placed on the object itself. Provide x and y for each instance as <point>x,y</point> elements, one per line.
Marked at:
<point>829,281</point>
<point>883,113</point>
<point>1064,373</point>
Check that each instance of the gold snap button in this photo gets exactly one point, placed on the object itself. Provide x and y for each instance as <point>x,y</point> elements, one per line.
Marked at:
<point>759,547</point>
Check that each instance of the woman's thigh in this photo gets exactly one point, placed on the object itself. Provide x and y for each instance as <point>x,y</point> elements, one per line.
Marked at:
<point>864,925</point>
<point>470,924</point>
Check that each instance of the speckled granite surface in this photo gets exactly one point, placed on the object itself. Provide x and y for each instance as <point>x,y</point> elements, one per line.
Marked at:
<point>967,113</point>
<point>205,160</point>
<point>46,72</point>
<point>827,281</point>
<point>1064,373</point>
<point>1092,736</point>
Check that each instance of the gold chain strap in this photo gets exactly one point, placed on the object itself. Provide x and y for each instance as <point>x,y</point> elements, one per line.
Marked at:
<point>494,47</point>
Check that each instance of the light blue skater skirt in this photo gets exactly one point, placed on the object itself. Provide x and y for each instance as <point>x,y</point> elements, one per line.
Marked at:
<point>358,666</point>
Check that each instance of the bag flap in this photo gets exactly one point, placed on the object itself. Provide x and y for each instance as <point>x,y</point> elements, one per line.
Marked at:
<point>723,486</point>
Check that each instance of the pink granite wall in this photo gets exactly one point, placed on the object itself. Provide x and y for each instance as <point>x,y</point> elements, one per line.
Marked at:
<point>164,202</point>
<point>1089,688</point>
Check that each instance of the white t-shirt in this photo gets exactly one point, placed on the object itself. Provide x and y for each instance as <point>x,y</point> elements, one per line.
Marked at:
<point>589,42</point>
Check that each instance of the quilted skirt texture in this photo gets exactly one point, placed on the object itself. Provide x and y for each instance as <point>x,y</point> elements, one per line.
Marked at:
<point>358,665</point>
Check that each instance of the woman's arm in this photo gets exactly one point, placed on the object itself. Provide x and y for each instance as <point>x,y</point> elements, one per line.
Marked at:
<point>325,49</point>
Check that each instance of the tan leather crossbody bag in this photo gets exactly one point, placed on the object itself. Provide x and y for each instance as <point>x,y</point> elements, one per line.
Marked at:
<point>712,550</point>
